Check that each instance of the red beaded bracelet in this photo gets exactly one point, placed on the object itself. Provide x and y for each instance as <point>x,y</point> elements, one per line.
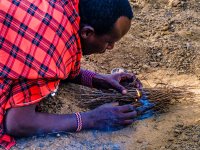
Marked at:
<point>79,122</point>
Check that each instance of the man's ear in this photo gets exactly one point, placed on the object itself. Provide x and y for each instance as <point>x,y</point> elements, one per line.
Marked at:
<point>86,31</point>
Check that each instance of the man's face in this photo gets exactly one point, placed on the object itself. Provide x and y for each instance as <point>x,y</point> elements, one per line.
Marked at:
<point>92,43</point>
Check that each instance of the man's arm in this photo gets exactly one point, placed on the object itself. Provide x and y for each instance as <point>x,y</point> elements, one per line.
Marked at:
<point>25,121</point>
<point>106,81</point>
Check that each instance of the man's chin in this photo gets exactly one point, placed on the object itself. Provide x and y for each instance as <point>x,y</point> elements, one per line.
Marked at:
<point>93,52</point>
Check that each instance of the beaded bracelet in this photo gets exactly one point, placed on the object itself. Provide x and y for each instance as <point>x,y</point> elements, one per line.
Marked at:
<point>79,122</point>
<point>86,77</point>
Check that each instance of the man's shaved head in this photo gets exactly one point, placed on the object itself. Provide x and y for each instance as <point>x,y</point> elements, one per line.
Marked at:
<point>102,14</point>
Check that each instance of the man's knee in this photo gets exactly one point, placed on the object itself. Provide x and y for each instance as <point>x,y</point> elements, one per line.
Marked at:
<point>13,124</point>
<point>18,120</point>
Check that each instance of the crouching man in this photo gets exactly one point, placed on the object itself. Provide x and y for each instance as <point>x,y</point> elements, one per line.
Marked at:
<point>41,43</point>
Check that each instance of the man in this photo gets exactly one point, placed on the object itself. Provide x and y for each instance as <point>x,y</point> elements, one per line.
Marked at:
<point>41,43</point>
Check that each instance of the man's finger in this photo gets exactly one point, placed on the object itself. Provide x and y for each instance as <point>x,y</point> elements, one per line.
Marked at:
<point>126,108</point>
<point>131,78</point>
<point>111,104</point>
<point>130,115</point>
<point>115,104</point>
<point>126,122</point>
<point>138,84</point>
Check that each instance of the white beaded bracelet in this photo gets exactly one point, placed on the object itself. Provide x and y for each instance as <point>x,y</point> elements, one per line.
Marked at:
<point>79,122</point>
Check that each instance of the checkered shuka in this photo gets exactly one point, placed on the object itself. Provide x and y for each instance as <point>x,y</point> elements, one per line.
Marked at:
<point>39,46</point>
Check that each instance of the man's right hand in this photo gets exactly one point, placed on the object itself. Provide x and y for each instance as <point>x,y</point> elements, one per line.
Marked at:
<point>109,117</point>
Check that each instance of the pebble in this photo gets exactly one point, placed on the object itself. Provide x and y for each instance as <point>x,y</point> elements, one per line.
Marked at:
<point>185,138</point>
<point>165,28</point>
<point>176,131</point>
<point>174,3</point>
<point>145,66</point>
<point>179,125</point>
<point>154,64</point>
<point>195,138</point>
<point>139,141</point>
<point>174,147</point>
<point>162,148</point>
<point>159,54</point>
<point>171,139</point>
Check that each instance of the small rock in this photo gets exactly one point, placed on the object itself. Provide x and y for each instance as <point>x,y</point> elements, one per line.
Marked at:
<point>159,54</point>
<point>177,131</point>
<point>185,138</point>
<point>130,64</point>
<point>154,64</point>
<point>165,28</point>
<point>139,141</point>
<point>179,125</point>
<point>188,46</point>
<point>174,147</point>
<point>171,139</point>
<point>174,3</point>
<point>162,148</point>
<point>145,66</point>
<point>195,138</point>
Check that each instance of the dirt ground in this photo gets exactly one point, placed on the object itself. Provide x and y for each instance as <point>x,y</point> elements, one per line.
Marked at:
<point>163,46</point>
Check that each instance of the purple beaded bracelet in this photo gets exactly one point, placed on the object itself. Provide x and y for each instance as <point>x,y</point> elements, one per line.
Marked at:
<point>86,77</point>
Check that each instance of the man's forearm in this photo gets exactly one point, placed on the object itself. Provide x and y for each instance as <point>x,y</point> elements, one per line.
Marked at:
<point>24,121</point>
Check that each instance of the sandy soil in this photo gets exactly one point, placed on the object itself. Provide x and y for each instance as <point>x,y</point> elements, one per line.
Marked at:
<point>162,46</point>
<point>179,128</point>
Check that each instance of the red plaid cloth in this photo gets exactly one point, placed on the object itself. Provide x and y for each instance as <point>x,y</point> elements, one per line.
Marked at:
<point>39,46</point>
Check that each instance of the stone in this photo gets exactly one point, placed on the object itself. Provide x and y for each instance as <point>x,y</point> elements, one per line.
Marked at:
<point>176,131</point>
<point>171,139</point>
<point>154,64</point>
<point>159,54</point>
<point>179,125</point>
<point>185,138</point>
<point>195,138</point>
<point>139,141</point>
<point>174,3</point>
<point>165,28</point>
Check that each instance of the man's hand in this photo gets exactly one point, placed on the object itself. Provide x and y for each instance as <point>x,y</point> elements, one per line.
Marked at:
<point>109,117</point>
<point>114,81</point>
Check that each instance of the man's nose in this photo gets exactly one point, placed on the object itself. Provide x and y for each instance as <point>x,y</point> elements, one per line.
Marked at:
<point>110,46</point>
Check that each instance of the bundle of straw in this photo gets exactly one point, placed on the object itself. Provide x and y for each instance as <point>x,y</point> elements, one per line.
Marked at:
<point>162,97</point>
